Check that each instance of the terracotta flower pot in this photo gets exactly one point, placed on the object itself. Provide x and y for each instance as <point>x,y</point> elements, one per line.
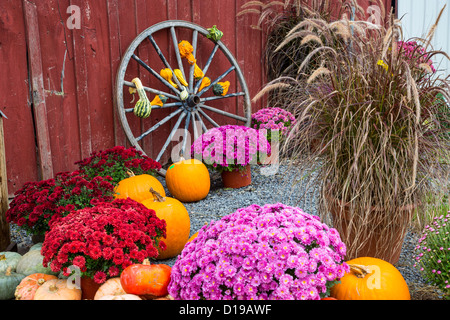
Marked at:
<point>378,238</point>
<point>88,288</point>
<point>236,178</point>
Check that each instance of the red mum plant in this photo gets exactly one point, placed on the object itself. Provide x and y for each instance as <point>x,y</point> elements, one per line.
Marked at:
<point>103,240</point>
<point>116,162</point>
<point>37,205</point>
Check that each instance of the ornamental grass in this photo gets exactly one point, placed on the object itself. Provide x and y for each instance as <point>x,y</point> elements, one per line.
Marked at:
<point>368,119</point>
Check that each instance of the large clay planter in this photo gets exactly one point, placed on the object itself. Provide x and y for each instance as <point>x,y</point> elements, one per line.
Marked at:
<point>371,236</point>
<point>88,288</point>
<point>237,179</point>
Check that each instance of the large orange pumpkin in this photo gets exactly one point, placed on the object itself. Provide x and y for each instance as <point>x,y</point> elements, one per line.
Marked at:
<point>188,180</point>
<point>138,187</point>
<point>28,286</point>
<point>178,223</point>
<point>149,280</point>
<point>371,279</point>
<point>57,289</point>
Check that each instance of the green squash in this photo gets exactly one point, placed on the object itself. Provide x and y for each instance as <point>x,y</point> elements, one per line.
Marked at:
<point>9,259</point>
<point>8,282</point>
<point>31,262</point>
<point>37,246</point>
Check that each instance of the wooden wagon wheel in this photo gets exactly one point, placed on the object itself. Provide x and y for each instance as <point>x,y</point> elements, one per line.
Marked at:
<point>192,105</point>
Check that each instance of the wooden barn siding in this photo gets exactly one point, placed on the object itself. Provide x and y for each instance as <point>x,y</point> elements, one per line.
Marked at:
<point>76,72</point>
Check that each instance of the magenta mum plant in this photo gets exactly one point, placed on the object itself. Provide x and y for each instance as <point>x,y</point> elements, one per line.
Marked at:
<point>273,119</point>
<point>270,252</point>
<point>230,147</point>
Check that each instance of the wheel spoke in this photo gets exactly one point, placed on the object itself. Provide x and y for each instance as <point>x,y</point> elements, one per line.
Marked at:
<point>224,113</point>
<point>160,123</point>
<point>156,74</point>
<point>208,117</point>
<point>206,67</point>
<point>217,80</point>
<point>168,95</point>
<point>167,105</point>
<point>186,130</point>
<point>230,95</point>
<point>191,70</point>
<point>169,138</point>
<point>177,54</point>
<point>201,122</point>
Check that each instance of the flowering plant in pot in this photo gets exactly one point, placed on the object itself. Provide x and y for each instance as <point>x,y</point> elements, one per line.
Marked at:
<point>260,252</point>
<point>103,240</point>
<point>274,119</point>
<point>231,149</point>
<point>37,205</point>
<point>116,162</point>
<point>373,106</point>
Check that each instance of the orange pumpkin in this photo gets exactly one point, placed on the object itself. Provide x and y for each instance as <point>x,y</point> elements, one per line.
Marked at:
<point>178,223</point>
<point>111,287</point>
<point>28,286</point>
<point>57,289</point>
<point>188,180</point>
<point>120,297</point>
<point>149,280</point>
<point>371,279</point>
<point>193,237</point>
<point>138,187</point>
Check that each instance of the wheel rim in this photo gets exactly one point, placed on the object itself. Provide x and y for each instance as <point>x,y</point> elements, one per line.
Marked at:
<point>197,110</point>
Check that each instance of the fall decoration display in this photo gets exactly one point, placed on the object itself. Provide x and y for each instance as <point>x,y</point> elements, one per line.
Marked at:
<point>137,187</point>
<point>198,73</point>
<point>371,279</point>
<point>37,205</point>
<point>260,252</point>
<point>9,259</point>
<point>178,224</point>
<point>274,120</point>
<point>57,289</point>
<point>103,240</point>
<point>143,108</point>
<point>188,180</point>
<point>116,163</point>
<point>150,280</point>
<point>28,286</point>
<point>159,100</point>
<point>9,280</point>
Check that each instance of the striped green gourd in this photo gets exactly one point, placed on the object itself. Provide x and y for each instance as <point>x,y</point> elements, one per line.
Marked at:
<point>143,107</point>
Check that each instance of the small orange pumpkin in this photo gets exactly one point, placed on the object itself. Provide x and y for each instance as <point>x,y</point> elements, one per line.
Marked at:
<point>137,187</point>
<point>149,280</point>
<point>188,180</point>
<point>28,286</point>
<point>371,279</point>
<point>178,223</point>
<point>57,289</point>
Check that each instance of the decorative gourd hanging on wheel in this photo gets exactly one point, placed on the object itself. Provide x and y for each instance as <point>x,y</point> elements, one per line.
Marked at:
<point>180,77</point>
<point>186,51</point>
<point>221,88</point>
<point>167,74</point>
<point>159,100</point>
<point>214,33</point>
<point>143,107</point>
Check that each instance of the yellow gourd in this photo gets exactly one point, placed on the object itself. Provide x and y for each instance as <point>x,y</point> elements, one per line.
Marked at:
<point>159,100</point>
<point>205,83</point>
<point>167,74</point>
<point>180,77</point>
<point>198,73</point>
<point>186,51</point>
<point>221,88</point>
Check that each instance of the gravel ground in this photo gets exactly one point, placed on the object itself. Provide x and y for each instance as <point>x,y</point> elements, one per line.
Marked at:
<point>278,187</point>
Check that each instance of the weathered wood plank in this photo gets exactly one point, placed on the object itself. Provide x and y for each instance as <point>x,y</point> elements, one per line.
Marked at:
<point>5,236</point>
<point>37,85</point>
